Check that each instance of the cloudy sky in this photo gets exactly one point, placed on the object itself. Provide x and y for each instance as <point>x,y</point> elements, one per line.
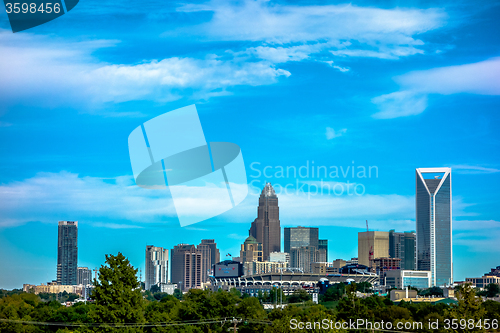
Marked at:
<point>385,86</point>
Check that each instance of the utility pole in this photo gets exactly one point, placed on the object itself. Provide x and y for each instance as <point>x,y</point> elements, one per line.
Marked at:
<point>235,323</point>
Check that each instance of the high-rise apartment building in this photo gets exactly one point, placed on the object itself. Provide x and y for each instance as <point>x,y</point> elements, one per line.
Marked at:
<point>434,224</point>
<point>177,262</point>
<point>210,256</point>
<point>83,276</point>
<point>156,266</point>
<point>402,246</point>
<point>251,250</point>
<point>67,252</point>
<point>375,241</point>
<point>193,270</point>
<point>186,266</point>
<point>266,227</point>
<point>300,236</point>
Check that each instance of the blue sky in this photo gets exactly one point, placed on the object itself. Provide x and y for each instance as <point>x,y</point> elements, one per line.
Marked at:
<point>393,85</point>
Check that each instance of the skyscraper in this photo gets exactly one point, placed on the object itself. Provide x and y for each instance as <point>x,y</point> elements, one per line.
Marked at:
<point>376,241</point>
<point>67,252</point>
<point>193,270</point>
<point>323,247</point>
<point>84,276</point>
<point>402,246</point>
<point>266,227</point>
<point>303,257</point>
<point>187,266</point>
<point>156,266</point>
<point>300,236</point>
<point>434,226</point>
<point>210,256</point>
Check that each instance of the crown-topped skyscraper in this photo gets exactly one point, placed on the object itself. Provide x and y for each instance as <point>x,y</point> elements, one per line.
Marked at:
<point>266,227</point>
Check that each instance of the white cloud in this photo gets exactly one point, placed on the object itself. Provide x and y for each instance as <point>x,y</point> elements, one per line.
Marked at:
<point>476,78</point>
<point>331,133</point>
<point>265,21</point>
<point>473,169</point>
<point>400,104</point>
<point>294,33</point>
<point>119,203</point>
<point>477,235</point>
<point>51,73</point>
<point>49,197</point>
<point>340,68</point>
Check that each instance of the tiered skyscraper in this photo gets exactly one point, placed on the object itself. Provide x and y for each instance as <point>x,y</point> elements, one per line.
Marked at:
<point>434,226</point>
<point>266,227</point>
<point>67,252</point>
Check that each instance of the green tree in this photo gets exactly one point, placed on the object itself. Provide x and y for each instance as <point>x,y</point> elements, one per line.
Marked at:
<point>298,296</point>
<point>334,292</point>
<point>364,287</point>
<point>155,289</point>
<point>117,295</point>
<point>178,294</point>
<point>492,290</point>
<point>469,306</point>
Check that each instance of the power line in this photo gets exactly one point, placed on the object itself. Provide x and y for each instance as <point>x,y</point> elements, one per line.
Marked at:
<point>160,324</point>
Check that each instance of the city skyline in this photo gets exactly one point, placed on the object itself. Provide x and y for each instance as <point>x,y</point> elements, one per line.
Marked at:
<point>350,103</point>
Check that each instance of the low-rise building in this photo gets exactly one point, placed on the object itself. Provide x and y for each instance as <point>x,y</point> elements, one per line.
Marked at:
<point>404,278</point>
<point>53,288</point>
<point>263,267</point>
<point>482,282</point>
<point>279,257</point>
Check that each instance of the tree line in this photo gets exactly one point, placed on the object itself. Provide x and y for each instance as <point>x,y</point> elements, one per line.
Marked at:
<point>121,306</point>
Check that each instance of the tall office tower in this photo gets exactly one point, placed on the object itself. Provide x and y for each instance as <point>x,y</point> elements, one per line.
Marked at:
<point>299,237</point>
<point>303,257</point>
<point>156,266</point>
<point>177,263</point>
<point>251,250</point>
<point>210,256</point>
<point>410,261</point>
<point>84,276</point>
<point>266,227</point>
<point>67,252</point>
<point>193,270</point>
<point>402,246</point>
<point>377,241</point>
<point>434,226</point>
<point>323,246</point>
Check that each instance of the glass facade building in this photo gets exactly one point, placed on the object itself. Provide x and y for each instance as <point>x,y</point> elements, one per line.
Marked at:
<point>299,237</point>
<point>434,224</point>
<point>67,253</point>
<point>402,246</point>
